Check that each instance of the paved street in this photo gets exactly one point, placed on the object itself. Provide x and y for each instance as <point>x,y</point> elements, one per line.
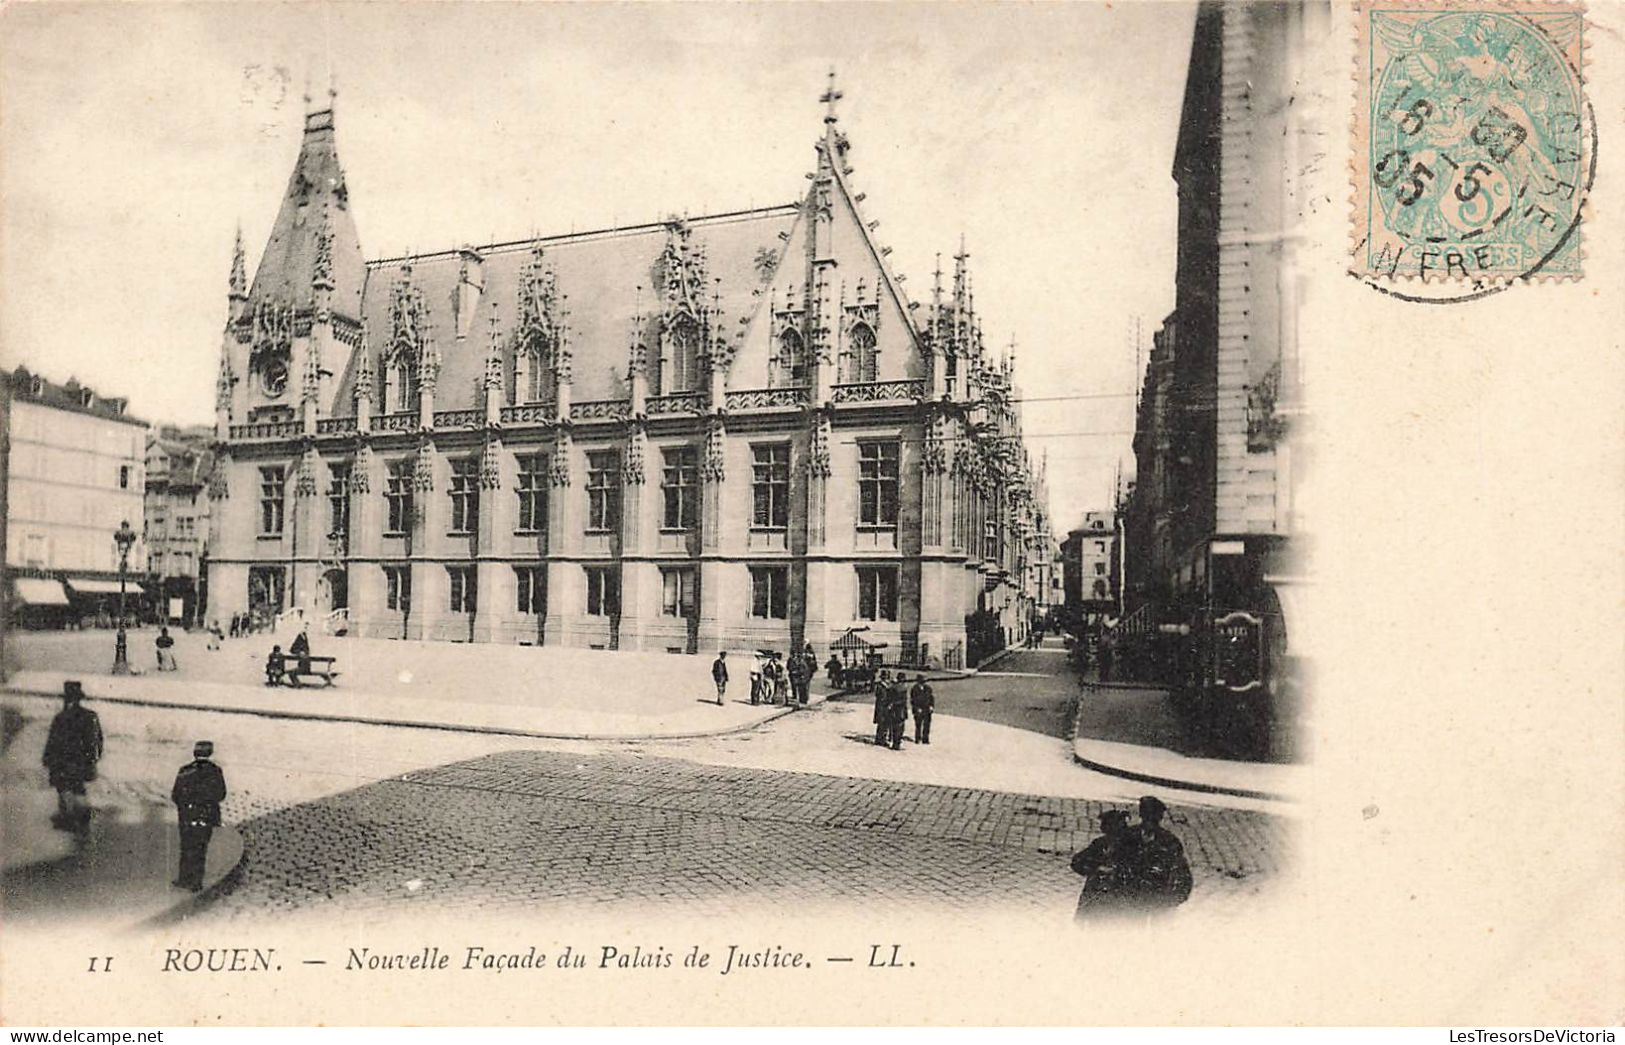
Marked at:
<point>339,816</point>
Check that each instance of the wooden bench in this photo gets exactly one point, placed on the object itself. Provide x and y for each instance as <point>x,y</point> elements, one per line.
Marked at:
<point>294,669</point>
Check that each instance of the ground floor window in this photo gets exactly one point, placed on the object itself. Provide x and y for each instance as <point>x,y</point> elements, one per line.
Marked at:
<point>678,589</point>
<point>462,588</point>
<point>398,588</point>
<point>530,586</point>
<point>877,593</point>
<point>770,592</point>
<point>603,591</point>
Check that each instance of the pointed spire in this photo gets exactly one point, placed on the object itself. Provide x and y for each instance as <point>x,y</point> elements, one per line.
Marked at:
<point>239,269</point>
<point>363,377</point>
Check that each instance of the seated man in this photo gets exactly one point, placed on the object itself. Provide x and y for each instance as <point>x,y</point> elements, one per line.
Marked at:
<point>275,665</point>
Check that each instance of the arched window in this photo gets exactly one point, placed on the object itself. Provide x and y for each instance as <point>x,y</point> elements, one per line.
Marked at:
<point>681,367</point>
<point>860,362</point>
<point>790,367</point>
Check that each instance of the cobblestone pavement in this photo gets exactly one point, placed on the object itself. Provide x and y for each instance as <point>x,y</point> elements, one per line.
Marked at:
<point>527,828</point>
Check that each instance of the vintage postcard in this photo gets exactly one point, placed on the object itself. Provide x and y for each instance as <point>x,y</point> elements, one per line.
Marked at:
<point>812,514</point>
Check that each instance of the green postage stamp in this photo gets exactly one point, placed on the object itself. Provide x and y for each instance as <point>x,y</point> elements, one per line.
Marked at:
<point>1473,142</point>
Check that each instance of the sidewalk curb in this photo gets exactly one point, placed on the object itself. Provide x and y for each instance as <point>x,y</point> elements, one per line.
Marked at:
<point>449,727</point>
<point>1161,781</point>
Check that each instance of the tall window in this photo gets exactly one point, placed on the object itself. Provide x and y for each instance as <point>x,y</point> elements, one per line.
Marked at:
<point>273,487</point>
<point>770,486</point>
<point>877,593</point>
<point>400,384</point>
<point>680,485</point>
<point>338,500</point>
<point>462,588</point>
<point>532,489</point>
<point>770,592</point>
<point>603,591</point>
<point>677,592</point>
<point>465,494</point>
<point>398,496</point>
<point>682,370</point>
<point>533,379</point>
<point>861,361</point>
<point>877,484</point>
<point>791,368</point>
<point>603,490</point>
<point>398,588</point>
<point>530,585</point>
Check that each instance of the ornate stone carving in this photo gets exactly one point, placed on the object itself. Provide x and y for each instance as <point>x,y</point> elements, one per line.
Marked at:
<point>224,382</point>
<point>934,456</point>
<point>423,473</point>
<point>636,448</point>
<point>361,471</point>
<point>491,465</point>
<point>818,455</point>
<point>539,335</point>
<point>363,376</point>
<point>559,467</point>
<point>321,268</point>
<point>714,470</point>
<point>410,335</point>
<point>304,484</point>
<point>220,477</point>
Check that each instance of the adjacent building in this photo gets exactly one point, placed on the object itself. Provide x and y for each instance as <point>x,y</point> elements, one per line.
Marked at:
<point>736,430</point>
<point>1088,565</point>
<point>179,463</point>
<point>75,474</point>
<point>1212,526</point>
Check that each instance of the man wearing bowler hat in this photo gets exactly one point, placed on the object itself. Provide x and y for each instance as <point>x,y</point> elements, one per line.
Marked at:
<point>72,749</point>
<point>199,789</point>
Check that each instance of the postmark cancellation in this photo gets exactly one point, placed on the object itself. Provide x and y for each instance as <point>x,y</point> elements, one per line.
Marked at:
<point>1473,142</point>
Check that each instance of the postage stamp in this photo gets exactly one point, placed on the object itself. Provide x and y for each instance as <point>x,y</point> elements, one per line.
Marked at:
<point>1473,143</point>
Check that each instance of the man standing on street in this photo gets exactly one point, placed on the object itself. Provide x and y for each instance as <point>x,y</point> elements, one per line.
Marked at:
<point>882,697</point>
<point>199,789</point>
<point>896,712</point>
<point>923,701</point>
<point>1162,872</point>
<point>72,749</point>
<point>798,680</point>
<point>719,674</point>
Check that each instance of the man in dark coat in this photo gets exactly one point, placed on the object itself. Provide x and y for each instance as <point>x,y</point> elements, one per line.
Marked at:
<point>798,680</point>
<point>1108,866</point>
<point>1162,874</point>
<point>199,789</point>
<point>896,713</point>
<point>719,674</point>
<point>882,698</point>
<point>301,650</point>
<point>922,701</point>
<point>72,749</point>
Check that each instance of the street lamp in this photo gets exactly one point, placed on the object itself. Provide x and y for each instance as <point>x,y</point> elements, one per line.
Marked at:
<point>124,538</point>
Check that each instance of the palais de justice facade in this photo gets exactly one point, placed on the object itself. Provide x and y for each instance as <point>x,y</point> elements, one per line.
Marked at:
<point>726,432</point>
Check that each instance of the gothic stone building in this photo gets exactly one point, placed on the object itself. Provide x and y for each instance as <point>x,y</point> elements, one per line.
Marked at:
<point>734,431</point>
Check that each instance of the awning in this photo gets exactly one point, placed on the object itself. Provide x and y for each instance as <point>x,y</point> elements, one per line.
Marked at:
<point>850,641</point>
<point>1300,637</point>
<point>41,591</point>
<point>90,586</point>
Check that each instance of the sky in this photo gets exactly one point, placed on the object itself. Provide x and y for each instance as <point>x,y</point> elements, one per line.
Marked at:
<point>137,137</point>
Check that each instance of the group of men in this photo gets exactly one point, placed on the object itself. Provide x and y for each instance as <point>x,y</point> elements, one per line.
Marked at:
<point>73,747</point>
<point>1129,869</point>
<point>769,681</point>
<point>892,704</point>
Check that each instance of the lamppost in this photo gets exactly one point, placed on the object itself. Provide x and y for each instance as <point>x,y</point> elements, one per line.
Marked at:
<point>124,537</point>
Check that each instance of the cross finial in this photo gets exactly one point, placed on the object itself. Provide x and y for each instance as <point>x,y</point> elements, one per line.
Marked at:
<point>830,97</point>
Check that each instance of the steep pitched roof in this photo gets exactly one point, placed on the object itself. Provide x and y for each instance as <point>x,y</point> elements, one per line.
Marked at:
<point>600,272</point>
<point>314,230</point>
